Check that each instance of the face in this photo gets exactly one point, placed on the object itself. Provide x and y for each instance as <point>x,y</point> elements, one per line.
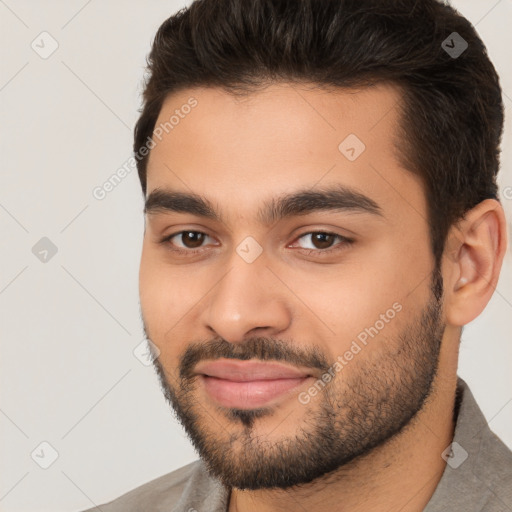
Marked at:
<point>287,279</point>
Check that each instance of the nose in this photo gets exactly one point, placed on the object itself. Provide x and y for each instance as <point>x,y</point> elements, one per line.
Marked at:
<point>247,301</point>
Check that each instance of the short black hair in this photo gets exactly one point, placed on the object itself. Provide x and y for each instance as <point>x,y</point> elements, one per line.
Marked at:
<point>451,106</point>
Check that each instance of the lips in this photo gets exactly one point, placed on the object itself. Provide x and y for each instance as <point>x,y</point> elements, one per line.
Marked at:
<point>249,384</point>
<point>244,371</point>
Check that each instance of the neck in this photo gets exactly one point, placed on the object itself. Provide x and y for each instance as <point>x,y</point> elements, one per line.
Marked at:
<point>402,474</point>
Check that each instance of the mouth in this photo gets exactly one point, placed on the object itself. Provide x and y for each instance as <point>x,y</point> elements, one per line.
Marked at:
<point>249,384</point>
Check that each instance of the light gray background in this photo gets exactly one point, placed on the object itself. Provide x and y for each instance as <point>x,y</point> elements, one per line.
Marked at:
<point>69,326</point>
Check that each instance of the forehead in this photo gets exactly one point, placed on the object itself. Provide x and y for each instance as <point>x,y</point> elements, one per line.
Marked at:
<point>240,152</point>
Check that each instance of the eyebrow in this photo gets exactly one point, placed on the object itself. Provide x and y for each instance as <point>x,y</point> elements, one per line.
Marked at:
<point>339,198</point>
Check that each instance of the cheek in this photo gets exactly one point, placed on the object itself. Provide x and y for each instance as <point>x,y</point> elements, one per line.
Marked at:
<point>159,296</point>
<point>160,306</point>
<point>369,293</point>
<point>168,297</point>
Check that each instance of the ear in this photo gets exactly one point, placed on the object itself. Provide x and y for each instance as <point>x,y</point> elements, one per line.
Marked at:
<point>475,248</point>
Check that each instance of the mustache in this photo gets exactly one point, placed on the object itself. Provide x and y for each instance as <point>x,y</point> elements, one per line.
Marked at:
<point>265,349</point>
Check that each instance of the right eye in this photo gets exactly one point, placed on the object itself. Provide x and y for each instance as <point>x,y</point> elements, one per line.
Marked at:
<point>188,242</point>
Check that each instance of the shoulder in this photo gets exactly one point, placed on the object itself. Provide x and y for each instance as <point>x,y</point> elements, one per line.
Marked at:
<point>494,470</point>
<point>478,473</point>
<point>175,491</point>
<point>489,459</point>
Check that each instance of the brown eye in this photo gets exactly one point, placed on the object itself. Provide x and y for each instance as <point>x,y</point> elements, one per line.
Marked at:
<point>188,243</point>
<point>192,239</point>
<point>322,240</point>
<point>320,243</point>
<point>318,240</point>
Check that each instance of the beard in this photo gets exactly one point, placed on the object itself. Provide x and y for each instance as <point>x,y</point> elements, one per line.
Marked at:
<point>372,404</point>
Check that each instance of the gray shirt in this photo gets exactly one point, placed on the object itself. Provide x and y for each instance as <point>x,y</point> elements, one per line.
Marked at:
<point>477,476</point>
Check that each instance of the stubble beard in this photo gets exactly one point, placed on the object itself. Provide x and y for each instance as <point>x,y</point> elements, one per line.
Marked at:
<point>356,412</point>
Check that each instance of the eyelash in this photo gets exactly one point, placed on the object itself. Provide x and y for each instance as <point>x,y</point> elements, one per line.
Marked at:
<point>191,252</point>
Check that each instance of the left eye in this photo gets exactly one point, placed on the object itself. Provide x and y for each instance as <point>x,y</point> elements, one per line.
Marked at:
<point>189,239</point>
<point>321,240</point>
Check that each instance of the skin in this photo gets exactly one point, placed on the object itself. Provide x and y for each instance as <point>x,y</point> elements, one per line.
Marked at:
<point>238,153</point>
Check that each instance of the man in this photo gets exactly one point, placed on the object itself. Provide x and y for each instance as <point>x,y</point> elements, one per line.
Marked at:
<point>322,220</point>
